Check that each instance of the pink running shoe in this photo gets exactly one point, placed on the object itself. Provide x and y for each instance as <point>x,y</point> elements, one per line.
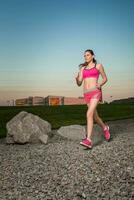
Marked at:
<point>87,143</point>
<point>106,133</point>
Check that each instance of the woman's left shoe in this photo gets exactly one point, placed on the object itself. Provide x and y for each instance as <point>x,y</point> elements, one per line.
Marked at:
<point>87,143</point>
<point>106,133</point>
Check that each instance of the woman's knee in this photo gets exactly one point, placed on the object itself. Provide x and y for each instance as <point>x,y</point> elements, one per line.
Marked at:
<point>90,113</point>
<point>92,108</point>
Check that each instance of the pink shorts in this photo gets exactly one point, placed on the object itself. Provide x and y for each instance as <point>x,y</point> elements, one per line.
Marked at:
<point>95,93</point>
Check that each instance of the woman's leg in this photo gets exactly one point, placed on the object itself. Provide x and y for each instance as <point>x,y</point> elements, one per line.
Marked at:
<point>90,113</point>
<point>98,119</point>
<point>103,125</point>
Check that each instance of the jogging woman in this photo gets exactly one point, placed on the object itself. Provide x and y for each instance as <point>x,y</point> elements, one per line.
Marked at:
<point>92,91</point>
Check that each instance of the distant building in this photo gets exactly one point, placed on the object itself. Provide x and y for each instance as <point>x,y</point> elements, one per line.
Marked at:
<point>54,100</point>
<point>30,101</point>
<point>49,100</point>
<point>61,100</point>
<point>38,101</point>
<point>21,102</point>
<point>73,100</point>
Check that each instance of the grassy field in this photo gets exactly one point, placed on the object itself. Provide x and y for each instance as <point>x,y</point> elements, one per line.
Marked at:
<point>66,114</point>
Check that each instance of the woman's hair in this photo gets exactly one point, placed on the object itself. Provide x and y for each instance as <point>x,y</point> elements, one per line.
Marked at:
<point>85,63</point>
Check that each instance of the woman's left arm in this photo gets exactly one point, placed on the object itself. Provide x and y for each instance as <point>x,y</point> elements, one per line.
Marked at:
<point>103,74</point>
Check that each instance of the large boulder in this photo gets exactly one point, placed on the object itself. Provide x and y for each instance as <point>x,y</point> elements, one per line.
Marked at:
<point>26,127</point>
<point>77,132</point>
<point>73,132</point>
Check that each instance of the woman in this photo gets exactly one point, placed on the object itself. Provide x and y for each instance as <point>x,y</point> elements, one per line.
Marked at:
<point>89,74</point>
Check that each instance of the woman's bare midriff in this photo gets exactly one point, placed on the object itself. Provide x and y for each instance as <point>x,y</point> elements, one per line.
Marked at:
<point>89,83</point>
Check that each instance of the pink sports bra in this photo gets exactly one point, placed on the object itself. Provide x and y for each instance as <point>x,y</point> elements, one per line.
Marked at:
<point>92,72</point>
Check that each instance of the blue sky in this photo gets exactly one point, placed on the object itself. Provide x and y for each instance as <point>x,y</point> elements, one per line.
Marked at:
<point>43,42</point>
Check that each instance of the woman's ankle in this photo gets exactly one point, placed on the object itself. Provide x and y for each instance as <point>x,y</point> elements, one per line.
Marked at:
<point>89,138</point>
<point>104,127</point>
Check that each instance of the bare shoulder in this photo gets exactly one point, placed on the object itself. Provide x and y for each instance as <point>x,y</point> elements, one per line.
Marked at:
<point>99,66</point>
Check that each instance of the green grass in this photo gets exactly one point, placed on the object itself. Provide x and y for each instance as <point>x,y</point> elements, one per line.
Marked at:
<point>66,114</point>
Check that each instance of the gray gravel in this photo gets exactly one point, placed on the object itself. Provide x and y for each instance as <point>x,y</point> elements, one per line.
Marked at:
<point>65,170</point>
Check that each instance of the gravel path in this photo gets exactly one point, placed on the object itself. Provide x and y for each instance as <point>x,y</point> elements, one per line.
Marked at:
<point>65,170</point>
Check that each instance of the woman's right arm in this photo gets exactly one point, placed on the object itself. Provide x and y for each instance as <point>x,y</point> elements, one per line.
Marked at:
<point>79,78</point>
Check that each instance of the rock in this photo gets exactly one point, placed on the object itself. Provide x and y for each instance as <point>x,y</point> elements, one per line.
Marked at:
<point>9,140</point>
<point>27,127</point>
<point>78,132</point>
<point>83,195</point>
<point>74,132</point>
<point>43,138</point>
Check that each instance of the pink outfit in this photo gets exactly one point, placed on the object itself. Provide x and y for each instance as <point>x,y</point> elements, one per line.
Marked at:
<point>92,72</point>
<point>96,93</point>
<point>92,92</point>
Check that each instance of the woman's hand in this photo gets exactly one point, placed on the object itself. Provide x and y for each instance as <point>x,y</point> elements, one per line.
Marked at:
<point>79,73</point>
<point>98,85</point>
<point>79,78</point>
